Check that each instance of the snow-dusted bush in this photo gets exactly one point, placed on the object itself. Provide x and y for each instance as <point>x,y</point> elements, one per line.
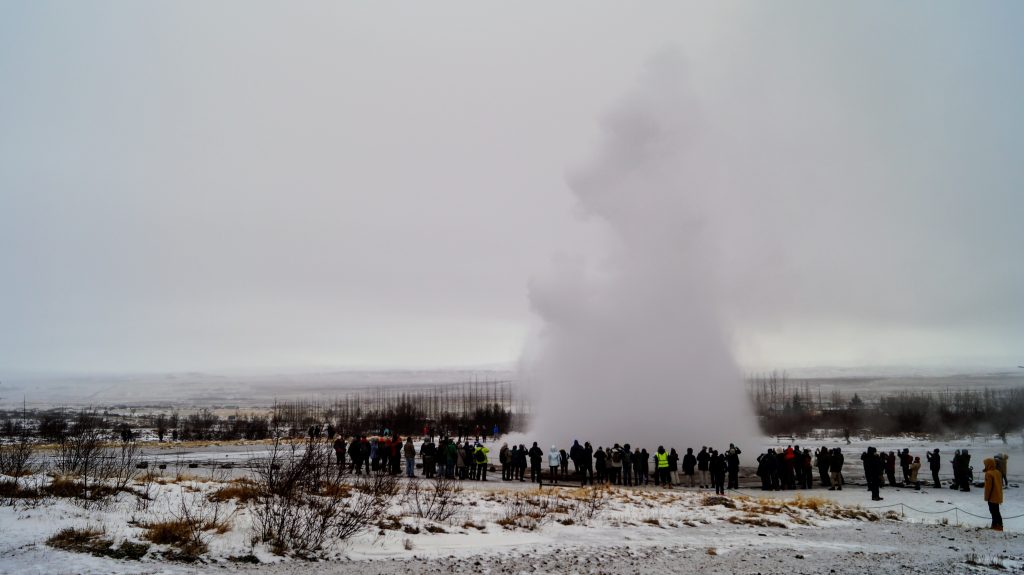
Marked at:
<point>437,500</point>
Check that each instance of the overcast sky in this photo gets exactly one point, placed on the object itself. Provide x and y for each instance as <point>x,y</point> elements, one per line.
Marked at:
<point>226,185</point>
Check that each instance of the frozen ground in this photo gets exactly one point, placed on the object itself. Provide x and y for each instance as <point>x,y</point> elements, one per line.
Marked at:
<point>635,530</point>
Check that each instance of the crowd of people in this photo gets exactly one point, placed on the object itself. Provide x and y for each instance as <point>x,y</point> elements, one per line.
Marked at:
<point>625,465</point>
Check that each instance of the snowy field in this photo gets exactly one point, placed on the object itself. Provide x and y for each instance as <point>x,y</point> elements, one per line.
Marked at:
<point>512,527</point>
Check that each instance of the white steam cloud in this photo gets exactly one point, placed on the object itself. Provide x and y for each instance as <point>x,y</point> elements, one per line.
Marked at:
<point>634,349</point>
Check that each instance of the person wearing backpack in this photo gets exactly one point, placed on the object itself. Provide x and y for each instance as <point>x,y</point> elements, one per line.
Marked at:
<point>480,458</point>
<point>616,465</point>
<point>627,465</point>
<point>732,458</point>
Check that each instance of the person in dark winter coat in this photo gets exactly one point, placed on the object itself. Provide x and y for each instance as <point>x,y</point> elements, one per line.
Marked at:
<point>428,452</point>
<point>506,466</point>
<point>805,461</point>
<point>536,457</point>
<point>673,466</point>
<point>873,471</point>
<point>690,466</point>
<point>766,468</point>
<point>587,464</point>
<point>355,455</point>
<point>965,471</point>
<point>339,452</point>
<point>732,458</point>
<point>821,459</point>
<point>513,462</point>
<point>703,458</point>
<point>905,460</point>
<point>934,463</point>
<point>835,467</point>
<point>716,468</point>
<point>627,465</point>
<point>955,463</point>
<point>600,465</point>
<point>890,467</point>
<point>614,463</point>
<point>574,455</point>
<point>643,468</point>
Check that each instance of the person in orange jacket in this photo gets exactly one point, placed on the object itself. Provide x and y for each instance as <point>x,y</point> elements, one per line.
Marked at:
<point>994,492</point>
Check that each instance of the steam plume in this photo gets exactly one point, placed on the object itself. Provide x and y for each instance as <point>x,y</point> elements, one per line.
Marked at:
<point>633,348</point>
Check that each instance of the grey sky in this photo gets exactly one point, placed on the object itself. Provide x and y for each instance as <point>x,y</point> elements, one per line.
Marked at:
<point>206,186</point>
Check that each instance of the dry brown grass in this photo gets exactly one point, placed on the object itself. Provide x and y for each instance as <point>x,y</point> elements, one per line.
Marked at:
<point>91,540</point>
<point>76,539</point>
<point>816,504</point>
<point>755,520</point>
<point>336,490</point>
<point>242,490</point>
<point>178,533</point>
<point>712,500</point>
<point>172,532</point>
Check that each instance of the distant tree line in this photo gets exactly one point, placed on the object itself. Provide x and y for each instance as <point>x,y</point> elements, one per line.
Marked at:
<point>788,408</point>
<point>461,409</point>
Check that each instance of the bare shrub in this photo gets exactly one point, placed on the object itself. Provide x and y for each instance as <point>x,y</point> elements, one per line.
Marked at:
<point>585,503</point>
<point>18,458</point>
<point>438,501</point>
<point>189,525</point>
<point>80,450</point>
<point>524,511</point>
<point>293,467</point>
<point>294,515</point>
<point>120,464</point>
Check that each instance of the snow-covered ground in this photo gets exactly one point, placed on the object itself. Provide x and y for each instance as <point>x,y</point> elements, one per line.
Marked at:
<point>511,527</point>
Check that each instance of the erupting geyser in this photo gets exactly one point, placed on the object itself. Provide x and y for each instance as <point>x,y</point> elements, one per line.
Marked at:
<point>633,348</point>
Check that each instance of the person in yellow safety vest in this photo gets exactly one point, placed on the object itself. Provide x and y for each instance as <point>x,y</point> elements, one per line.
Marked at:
<point>663,474</point>
<point>480,461</point>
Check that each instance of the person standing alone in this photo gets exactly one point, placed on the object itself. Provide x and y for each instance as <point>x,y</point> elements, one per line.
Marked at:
<point>994,492</point>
